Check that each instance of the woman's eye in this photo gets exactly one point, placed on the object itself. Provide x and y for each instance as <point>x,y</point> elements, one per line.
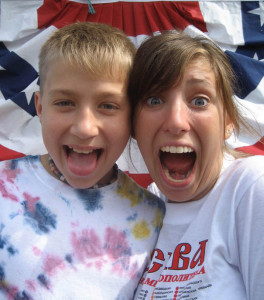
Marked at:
<point>154,101</point>
<point>200,101</point>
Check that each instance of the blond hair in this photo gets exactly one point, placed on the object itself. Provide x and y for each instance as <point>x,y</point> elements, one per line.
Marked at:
<point>99,49</point>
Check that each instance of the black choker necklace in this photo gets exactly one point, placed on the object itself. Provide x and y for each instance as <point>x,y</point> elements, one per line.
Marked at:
<point>59,175</point>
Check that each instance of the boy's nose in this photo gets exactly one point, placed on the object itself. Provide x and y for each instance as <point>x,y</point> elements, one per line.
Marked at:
<point>177,118</point>
<point>85,125</point>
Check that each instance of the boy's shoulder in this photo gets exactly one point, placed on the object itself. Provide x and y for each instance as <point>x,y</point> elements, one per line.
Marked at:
<point>18,167</point>
<point>12,163</point>
<point>128,188</point>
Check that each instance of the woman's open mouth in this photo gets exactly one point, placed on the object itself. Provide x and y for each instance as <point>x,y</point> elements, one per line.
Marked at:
<point>177,162</point>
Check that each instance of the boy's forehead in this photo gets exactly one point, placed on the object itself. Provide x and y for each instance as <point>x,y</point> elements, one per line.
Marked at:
<point>109,66</point>
<point>71,81</point>
<point>109,73</point>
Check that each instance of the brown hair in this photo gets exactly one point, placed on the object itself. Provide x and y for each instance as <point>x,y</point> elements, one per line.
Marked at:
<point>97,48</point>
<point>160,63</point>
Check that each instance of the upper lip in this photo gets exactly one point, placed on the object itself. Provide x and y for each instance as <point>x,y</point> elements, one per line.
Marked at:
<point>183,148</point>
<point>176,149</point>
<point>83,149</point>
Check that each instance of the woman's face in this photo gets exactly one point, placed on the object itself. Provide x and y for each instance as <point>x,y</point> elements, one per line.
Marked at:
<point>181,132</point>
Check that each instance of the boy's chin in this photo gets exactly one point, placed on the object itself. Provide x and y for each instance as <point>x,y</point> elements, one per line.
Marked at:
<point>80,183</point>
<point>80,178</point>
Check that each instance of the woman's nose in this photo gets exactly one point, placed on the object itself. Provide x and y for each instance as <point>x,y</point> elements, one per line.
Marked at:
<point>177,118</point>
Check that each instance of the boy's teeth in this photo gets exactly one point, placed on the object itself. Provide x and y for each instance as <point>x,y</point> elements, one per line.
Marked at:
<point>82,151</point>
<point>179,149</point>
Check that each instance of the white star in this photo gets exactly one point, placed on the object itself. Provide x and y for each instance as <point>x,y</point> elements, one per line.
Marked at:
<point>259,11</point>
<point>29,90</point>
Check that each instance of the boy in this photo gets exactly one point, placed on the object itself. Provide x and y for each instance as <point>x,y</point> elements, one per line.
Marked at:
<point>73,226</point>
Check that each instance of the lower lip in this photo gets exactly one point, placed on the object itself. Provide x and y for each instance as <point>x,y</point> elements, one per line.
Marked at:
<point>177,184</point>
<point>83,172</point>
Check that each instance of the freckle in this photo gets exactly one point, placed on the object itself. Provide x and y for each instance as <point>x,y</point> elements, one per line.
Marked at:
<point>43,280</point>
<point>36,251</point>
<point>68,258</point>
<point>75,224</point>
<point>31,285</point>
<point>11,250</point>
<point>141,230</point>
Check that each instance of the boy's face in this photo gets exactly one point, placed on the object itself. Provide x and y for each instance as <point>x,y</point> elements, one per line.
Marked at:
<point>85,124</point>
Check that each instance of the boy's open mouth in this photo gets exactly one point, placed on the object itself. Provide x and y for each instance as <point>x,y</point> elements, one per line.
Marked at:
<point>177,162</point>
<point>71,150</point>
<point>82,161</point>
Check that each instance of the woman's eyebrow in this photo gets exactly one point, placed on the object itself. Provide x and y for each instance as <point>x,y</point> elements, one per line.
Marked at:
<point>200,81</point>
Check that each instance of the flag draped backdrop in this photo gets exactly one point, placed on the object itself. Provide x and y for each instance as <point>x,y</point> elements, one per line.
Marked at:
<point>237,27</point>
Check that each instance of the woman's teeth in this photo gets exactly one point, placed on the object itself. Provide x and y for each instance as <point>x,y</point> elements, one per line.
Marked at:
<point>179,149</point>
<point>177,168</point>
<point>177,177</point>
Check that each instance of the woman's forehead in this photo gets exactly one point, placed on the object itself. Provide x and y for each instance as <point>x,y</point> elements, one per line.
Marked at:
<point>194,73</point>
<point>199,70</point>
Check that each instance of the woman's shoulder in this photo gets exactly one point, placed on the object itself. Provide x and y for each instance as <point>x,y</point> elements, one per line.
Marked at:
<point>244,171</point>
<point>251,164</point>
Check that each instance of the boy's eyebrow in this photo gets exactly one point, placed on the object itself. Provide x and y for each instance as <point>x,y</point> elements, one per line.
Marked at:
<point>111,95</point>
<point>61,92</point>
<point>103,95</point>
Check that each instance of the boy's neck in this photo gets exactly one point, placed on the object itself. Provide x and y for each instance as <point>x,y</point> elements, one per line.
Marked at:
<point>52,169</point>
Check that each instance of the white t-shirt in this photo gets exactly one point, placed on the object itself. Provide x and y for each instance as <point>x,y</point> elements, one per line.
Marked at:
<point>61,243</point>
<point>213,248</point>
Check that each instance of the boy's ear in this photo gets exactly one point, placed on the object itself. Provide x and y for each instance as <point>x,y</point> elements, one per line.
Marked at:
<point>38,104</point>
<point>229,128</point>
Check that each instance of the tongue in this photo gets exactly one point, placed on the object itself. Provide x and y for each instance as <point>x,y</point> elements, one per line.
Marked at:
<point>82,164</point>
<point>180,163</point>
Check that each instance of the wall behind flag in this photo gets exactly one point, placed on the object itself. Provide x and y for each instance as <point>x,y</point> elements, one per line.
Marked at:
<point>236,26</point>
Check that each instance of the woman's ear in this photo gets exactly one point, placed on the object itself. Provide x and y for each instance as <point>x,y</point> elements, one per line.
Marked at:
<point>229,128</point>
<point>38,104</point>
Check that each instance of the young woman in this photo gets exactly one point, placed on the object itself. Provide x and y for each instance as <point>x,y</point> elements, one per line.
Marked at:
<point>211,245</point>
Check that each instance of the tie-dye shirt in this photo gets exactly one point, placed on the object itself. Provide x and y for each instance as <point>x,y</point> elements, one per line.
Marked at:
<point>57,242</point>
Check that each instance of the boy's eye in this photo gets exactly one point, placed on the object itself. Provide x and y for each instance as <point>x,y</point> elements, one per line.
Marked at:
<point>199,101</point>
<point>109,106</point>
<point>154,101</point>
<point>64,103</point>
